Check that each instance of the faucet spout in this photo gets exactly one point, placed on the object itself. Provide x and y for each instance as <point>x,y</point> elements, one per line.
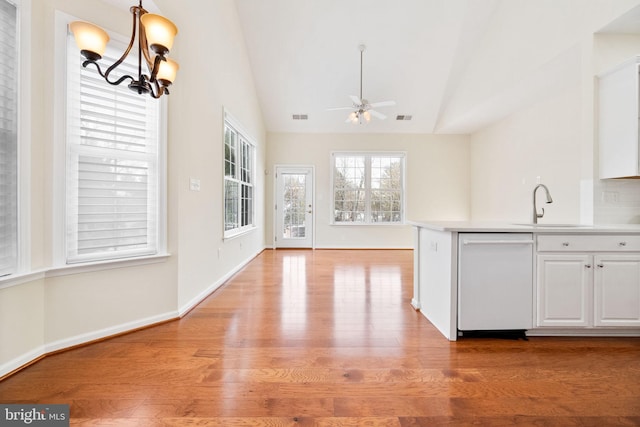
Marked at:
<point>537,215</point>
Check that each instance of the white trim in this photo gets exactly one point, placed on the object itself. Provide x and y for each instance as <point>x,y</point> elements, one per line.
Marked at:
<point>22,360</point>
<point>89,267</point>
<point>368,155</point>
<point>214,286</point>
<point>109,332</point>
<point>58,189</point>
<point>88,337</point>
<point>24,135</point>
<point>303,168</point>
<point>20,278</point>
<point>241,135</point>
<point>66,270</point>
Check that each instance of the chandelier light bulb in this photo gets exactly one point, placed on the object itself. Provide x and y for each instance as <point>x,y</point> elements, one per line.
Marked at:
<point>159,31</point>
<point>90,39</point>
<point>167,71</point>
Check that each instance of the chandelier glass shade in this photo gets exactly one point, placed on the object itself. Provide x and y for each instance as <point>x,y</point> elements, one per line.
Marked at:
<point>154,34</point>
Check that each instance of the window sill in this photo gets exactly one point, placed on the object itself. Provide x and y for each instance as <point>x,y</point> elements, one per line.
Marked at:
<point>88,267</point>
<point>239,233</point>
<point>17,279</point>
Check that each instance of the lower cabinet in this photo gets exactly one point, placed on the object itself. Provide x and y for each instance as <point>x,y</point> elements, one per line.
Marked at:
<point>564,290</point>
<point>586,290</point>
<point>616,287</point>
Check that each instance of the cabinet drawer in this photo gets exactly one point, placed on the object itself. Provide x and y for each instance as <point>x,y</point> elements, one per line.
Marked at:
<point>598,243</point>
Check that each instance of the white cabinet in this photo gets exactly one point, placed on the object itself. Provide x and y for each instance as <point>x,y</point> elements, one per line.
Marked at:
<point>617,290</point>
<point>564,290</point>
<point>618,124</point>
<point>579,286</point>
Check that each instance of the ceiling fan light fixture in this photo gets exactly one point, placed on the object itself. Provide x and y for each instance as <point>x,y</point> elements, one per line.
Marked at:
<point>362,110</point>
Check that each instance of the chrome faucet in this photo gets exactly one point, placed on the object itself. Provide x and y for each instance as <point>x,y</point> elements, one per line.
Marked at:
<point>536,215</point>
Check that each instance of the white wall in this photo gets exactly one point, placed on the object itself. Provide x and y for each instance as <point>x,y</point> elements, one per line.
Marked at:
<point>215,73</point>
<point>622,201</point>
<point>508,157</point>
<point>556,138</point>
<point>53,309</point>
<point>437,182</point>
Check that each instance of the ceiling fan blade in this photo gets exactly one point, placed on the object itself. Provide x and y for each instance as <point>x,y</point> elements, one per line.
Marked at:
<point>355,100</point>
<point>339,108</point>
<point>377,115</point>
<point>383,104</point>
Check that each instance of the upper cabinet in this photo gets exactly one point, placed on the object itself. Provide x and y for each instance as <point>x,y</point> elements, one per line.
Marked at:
<point>619,139</point>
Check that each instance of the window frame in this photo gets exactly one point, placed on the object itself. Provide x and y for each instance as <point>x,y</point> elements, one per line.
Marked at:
<point>23,141</point>
<point>61,153</point>
<point>243,140</point>
<point>368,155</point>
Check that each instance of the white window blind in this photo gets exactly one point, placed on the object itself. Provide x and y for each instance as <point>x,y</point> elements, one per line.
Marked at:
<point>112,184</point>
<point>8,138</point>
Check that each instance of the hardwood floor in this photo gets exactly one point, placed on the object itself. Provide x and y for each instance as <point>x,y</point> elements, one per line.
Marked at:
<point>329,338</point>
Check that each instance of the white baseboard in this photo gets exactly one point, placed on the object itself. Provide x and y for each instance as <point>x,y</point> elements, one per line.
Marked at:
<point>88,337</point>
<point>111,331</point>
<point>108,332</point>
<point>20,361</point>
<point>209,290</point>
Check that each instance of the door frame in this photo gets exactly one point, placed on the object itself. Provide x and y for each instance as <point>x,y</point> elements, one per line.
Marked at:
<point>276,168</point>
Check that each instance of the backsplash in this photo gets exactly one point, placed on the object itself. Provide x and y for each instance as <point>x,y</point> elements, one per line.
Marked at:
<point>617,201</point>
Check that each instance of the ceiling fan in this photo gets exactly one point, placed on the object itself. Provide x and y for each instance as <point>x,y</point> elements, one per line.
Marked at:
<point>362,110</point>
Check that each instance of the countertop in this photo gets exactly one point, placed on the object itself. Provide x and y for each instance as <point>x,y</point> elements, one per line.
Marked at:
<point>506,227</point>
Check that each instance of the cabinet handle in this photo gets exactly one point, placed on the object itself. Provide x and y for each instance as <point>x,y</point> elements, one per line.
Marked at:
<point>565,244</point>
<point>622,244</point>
<point>588,265</point>
<point>600,265</point>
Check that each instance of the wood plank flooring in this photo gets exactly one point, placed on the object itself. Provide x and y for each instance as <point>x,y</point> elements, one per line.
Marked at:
<point>329,338</point>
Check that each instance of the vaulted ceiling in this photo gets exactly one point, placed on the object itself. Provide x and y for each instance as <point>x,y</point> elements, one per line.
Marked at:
<point>455,66</point>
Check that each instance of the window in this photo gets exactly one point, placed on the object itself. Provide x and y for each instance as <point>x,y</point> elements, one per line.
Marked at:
<point>368,188</point>
<point>239,168</point>
<point>8,138</point>
<point>113,164</point>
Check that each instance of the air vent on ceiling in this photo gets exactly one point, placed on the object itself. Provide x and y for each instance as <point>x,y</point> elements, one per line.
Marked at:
<point>403,117</point>
<point>300,117</point>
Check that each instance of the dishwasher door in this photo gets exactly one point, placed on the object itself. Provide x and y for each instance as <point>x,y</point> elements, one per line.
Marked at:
<point>495,281</point>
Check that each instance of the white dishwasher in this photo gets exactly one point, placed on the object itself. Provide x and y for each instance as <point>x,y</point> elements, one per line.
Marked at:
<point>495,281</point>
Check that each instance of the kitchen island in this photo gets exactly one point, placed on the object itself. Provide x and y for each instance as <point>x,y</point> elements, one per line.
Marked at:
<point>567,279</point>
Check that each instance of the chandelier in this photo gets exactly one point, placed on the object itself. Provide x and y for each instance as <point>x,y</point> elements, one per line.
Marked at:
<point>155,36</point>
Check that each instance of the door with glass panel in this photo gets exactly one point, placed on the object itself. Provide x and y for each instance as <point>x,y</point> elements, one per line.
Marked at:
<point>294,207</point>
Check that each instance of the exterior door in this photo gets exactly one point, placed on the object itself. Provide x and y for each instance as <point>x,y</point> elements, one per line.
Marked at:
<point>294,207</point>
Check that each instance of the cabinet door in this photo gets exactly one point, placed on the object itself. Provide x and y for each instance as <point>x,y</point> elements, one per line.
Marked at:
<point>618,121</point>
<point>564,290</point>
<point>617,290</point>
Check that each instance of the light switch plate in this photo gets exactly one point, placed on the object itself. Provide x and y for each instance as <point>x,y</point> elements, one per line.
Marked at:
<point>194,184</point>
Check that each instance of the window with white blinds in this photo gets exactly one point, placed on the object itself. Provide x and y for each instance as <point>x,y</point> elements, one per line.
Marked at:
<point>8,138</point>
<point>112,164</point>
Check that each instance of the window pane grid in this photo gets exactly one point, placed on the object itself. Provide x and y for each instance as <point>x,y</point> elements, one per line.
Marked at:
<point>239,192</point>
<point>368,188</point>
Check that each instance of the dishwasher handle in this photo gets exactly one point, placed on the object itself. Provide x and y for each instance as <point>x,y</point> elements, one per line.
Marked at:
<point>497,242</point>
